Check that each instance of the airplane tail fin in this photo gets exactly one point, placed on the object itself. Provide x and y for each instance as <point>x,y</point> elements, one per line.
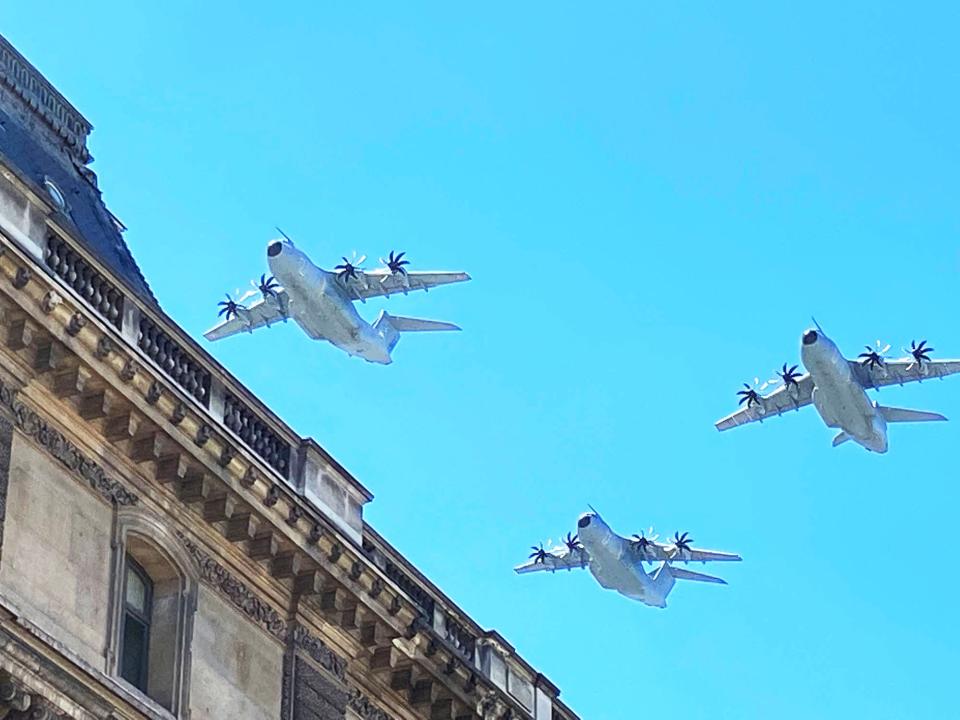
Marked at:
<point>684,574</point>
<point>902,415</point>
<point>392,325</point>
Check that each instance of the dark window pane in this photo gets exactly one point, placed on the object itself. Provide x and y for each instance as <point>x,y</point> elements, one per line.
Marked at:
<point>133,653</point>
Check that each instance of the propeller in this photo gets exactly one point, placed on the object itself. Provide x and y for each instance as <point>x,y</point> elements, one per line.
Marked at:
<point>751,393</point>
<point>682,542</point>
<point>919,352</point>
<point>348,269</point>
<point>641,542</point>
<point>230,307</point>
<point>539,553</point>
<point>789,376</point>
<point>268,286</point>
<point>572,542</point>
<point>873,357</point>
<point>395,263</point>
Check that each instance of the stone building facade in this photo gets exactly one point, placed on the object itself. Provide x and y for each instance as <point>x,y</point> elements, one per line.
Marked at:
<point>169,548</point>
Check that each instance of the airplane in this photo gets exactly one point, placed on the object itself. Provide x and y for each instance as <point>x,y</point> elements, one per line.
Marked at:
<point>837,388</point>
<point>321,301</point>
<point>617,562</point>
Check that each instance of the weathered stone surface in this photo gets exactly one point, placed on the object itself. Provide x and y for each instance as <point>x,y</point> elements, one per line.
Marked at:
<point>52,523</point>
<point>235,591</point>
<point>53,441</point>
<point>237,669</point>
<point>316,696</point>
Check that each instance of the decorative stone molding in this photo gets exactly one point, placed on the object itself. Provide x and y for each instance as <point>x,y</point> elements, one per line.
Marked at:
<point>77,322</point>
<point>154,393</point>
<point>227,454</point>
<point>273,496</point>
<point>50,302</point>
<point>362,706</point>
<point>53,441</point>
<point>129,371</point>
<point>249,478</point>
<point>179,413</point>
<point>309,694</point>
<point>39,95</point>
<point>104,348</point>
<point>18,702</point>
<point>78,274</point>
<point>204,433</point>
<point>21,279</point>
<point>318,651</point>
<point>214,574</point>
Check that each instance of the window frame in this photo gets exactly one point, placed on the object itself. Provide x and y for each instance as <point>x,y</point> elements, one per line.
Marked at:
<point>145,619</point>
<point>157,549</point>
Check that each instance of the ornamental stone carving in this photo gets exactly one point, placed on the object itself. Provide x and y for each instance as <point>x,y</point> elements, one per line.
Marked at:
<point>53,441</point>
<point>21,279</point>
<point>318,651</point>
<point>154,393</point>
<point>214,574</point>
<point>362,706</point>
<point>104,348</point>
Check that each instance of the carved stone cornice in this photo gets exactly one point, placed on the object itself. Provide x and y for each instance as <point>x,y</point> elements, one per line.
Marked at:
<point>44,100</point>
<point>364,707</point>
<point>18,702</point>
<point>318,651</point>
<point>57,446</point>
<point>216,575</point>
<point>181,450</point>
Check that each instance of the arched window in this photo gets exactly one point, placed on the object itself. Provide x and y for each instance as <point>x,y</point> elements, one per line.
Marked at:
<point>154,597</point>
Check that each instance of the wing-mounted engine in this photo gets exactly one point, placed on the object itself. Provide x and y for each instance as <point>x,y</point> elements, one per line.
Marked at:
<point>236,316</point>
<point>273,295</point>
<point>568,555</point>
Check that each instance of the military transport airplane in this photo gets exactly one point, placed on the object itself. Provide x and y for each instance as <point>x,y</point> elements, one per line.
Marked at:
<point>322,301</point>
<point>617,562</point>
<point>837,388</point>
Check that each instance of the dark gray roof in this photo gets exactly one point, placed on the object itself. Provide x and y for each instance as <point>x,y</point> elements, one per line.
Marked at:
<point>34,159</point>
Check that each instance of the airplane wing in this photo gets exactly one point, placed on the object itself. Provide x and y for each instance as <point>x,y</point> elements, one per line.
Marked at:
<point>262,313</point>
<point>556,559</point>
<point>374,283</point>
<point>785,397</point>
<point>658,552</point>
<point>902,370</point>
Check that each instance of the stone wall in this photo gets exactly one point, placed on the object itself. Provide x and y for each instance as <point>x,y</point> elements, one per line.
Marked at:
<point>237,667</point>
<point>56,552</point>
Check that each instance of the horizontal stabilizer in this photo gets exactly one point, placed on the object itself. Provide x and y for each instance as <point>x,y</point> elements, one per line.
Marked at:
<point>408,324</point>
<point>684,574</point>
<point>902,415</point>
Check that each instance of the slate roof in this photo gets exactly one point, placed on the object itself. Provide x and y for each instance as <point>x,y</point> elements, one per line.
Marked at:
<point>43,137</point>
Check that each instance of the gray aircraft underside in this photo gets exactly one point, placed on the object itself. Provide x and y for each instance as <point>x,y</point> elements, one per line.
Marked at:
<point>837,389</point>
<point>617,562</point>
<point>321,302</point>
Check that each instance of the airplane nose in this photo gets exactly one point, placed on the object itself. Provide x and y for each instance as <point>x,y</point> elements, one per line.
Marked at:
<point>274,248</point>
<point>810,337</point>
<point>583,522</point>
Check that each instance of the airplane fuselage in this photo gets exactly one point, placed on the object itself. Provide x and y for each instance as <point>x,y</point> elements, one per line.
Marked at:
<point>319,304</point>
<point>838,397</point>
<point>615,565</point>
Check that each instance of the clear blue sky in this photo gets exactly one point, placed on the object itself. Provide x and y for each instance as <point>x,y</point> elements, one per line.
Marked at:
<point>652,203</point>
